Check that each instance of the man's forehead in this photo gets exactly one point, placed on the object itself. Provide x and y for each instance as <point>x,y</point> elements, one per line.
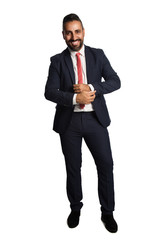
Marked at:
<point>74,25</point>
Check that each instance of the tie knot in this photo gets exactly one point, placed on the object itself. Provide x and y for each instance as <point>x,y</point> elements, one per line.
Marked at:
<point>78,54</point>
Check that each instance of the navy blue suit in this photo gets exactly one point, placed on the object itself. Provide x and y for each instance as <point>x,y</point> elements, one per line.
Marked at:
<point>91,126</point>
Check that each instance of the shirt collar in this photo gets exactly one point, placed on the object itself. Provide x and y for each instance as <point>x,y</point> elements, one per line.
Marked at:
<point>81,51</point>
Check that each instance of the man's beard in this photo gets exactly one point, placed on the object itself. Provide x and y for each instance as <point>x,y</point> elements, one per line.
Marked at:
<point>75,48</point>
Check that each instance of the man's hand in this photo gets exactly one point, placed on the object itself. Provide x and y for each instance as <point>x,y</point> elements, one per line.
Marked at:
<point>85,97</point>
<point>78,88</point>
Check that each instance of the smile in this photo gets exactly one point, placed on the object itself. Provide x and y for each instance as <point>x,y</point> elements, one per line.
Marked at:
<point>74,43</point>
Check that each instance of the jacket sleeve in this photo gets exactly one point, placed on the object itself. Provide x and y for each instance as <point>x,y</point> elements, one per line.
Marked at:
<point>52,88</point>
<point>111,80</point>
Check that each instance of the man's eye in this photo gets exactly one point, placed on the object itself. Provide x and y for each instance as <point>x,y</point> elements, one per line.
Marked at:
<point>68,33</point>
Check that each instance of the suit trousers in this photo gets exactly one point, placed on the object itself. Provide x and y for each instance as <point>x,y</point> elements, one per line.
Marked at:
<point>85,125</point>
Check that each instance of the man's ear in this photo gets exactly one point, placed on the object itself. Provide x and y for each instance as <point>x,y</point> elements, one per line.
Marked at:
<point>83,32</point>
<point>63,34</point>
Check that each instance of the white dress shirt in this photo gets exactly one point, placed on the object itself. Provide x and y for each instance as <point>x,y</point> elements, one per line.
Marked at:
<point>87,107</point>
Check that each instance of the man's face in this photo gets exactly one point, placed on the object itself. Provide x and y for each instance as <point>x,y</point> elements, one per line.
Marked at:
<point>73,34</point>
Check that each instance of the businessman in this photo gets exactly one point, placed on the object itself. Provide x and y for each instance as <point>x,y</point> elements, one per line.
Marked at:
<point>77,81</point>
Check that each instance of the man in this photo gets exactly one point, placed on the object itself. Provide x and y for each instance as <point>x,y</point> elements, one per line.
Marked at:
<point>75,84</point>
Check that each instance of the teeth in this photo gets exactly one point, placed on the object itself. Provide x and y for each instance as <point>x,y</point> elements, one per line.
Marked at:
<point>74,43</point>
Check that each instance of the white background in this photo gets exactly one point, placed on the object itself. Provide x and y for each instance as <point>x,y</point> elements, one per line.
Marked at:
<point>33,202</point>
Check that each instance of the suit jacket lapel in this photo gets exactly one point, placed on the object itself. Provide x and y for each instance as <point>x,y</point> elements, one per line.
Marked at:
<point>69,64</point>
<point>89,64</point>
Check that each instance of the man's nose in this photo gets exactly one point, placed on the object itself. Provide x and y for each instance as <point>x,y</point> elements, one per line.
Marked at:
<point>73,36</point>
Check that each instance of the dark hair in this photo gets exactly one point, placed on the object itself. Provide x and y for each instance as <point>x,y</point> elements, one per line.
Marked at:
<point>71,17</point>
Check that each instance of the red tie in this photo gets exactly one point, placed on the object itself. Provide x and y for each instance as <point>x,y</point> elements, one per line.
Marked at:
<point>79,70</point>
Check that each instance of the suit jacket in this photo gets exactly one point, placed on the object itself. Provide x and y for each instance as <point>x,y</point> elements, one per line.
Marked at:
<point>59,86</point>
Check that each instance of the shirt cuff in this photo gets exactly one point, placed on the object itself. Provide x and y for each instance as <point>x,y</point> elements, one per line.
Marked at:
<point>74,99</point>
<point>91,87</point>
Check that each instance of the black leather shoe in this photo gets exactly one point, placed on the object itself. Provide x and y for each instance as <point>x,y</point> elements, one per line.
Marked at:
<point>109,223</point>
<point>73,219</point>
